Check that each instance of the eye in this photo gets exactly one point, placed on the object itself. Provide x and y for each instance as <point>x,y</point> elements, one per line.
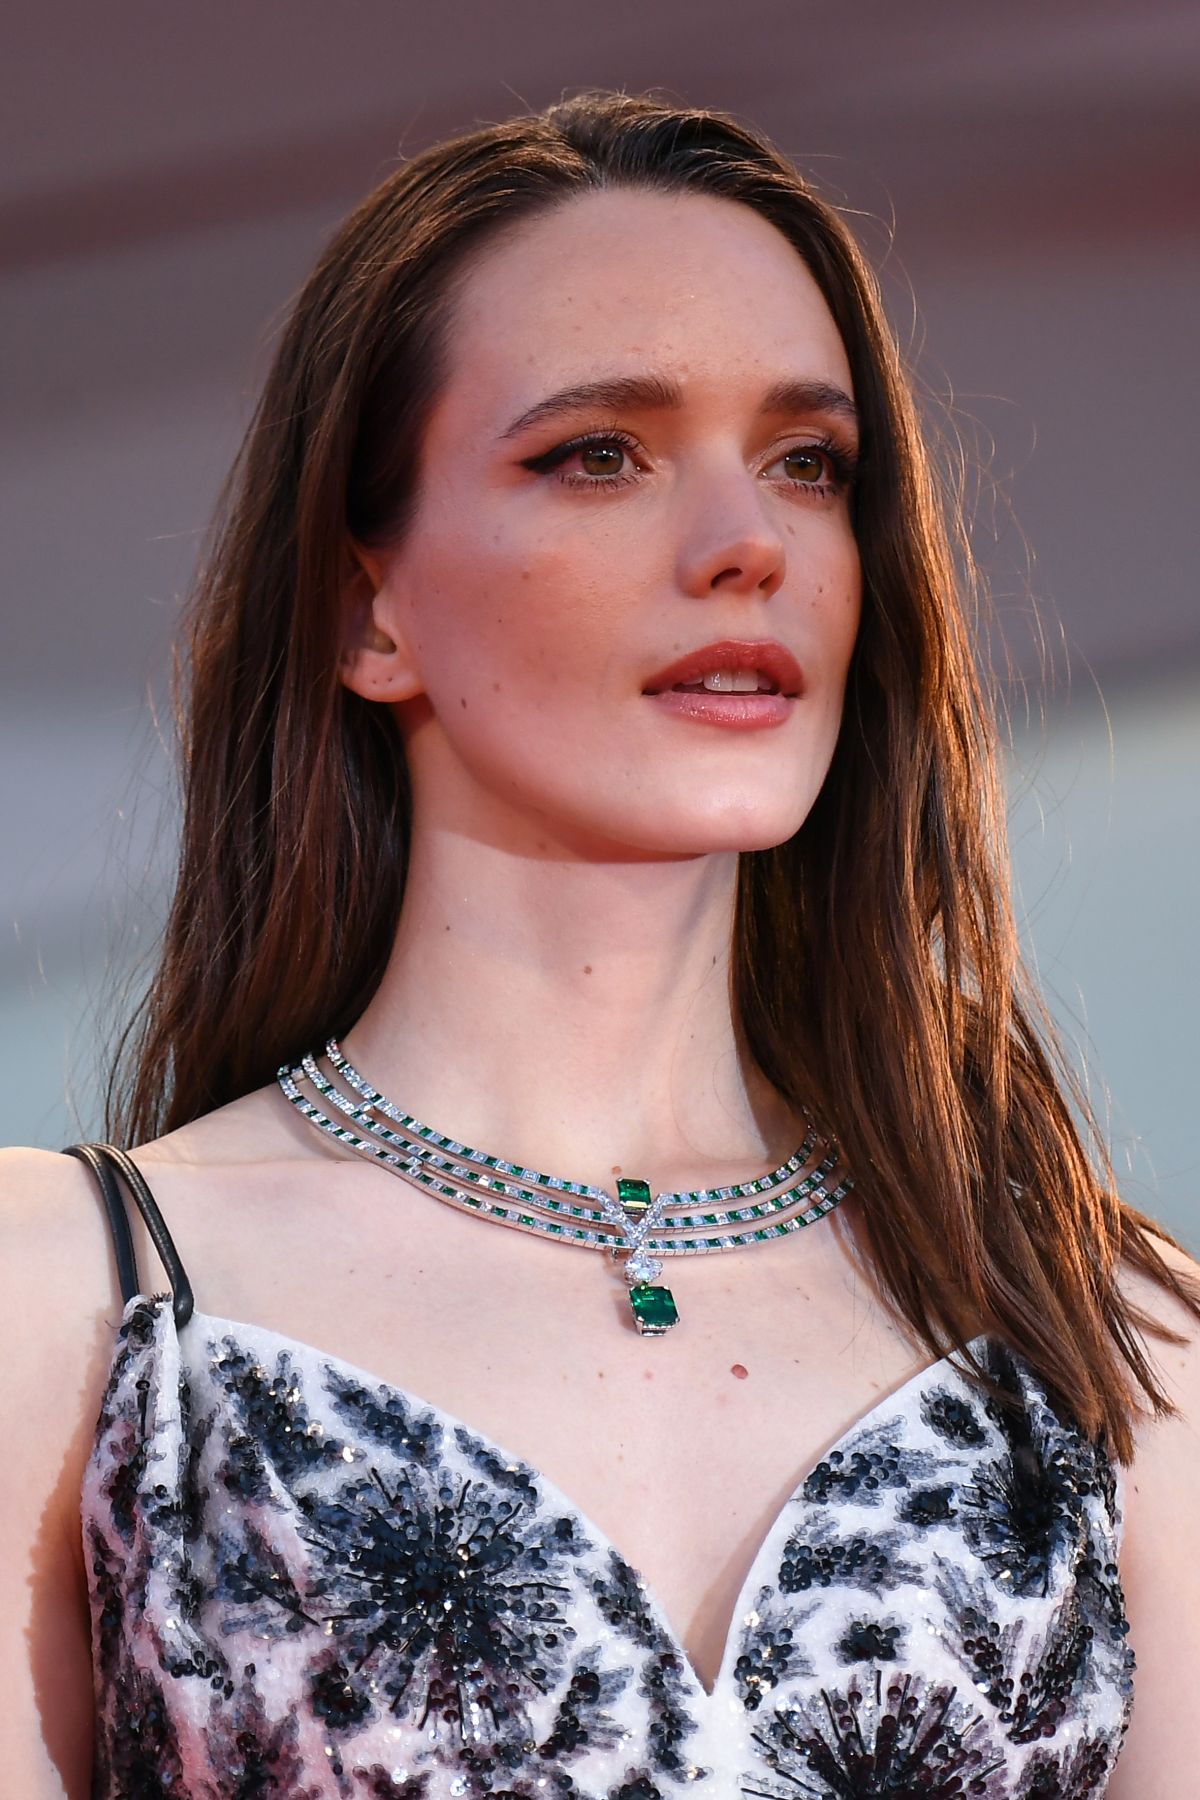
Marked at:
<point>825,467</point>
<point>805,464</point>
<point>600,460</point>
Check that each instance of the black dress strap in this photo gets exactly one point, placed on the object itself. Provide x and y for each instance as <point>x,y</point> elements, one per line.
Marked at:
<point>106,1161</point>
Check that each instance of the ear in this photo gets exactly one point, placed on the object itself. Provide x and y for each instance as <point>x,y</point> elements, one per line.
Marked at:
<point>375,660</point>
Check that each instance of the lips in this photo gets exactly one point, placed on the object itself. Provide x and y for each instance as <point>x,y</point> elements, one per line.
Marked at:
<point>768,656</point>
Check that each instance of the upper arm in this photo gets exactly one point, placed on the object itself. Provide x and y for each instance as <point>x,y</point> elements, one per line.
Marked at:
<point>1160,1569</point>
<point>59,1304</point>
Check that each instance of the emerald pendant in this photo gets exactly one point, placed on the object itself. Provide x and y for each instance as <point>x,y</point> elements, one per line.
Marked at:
<point>653,1309</point>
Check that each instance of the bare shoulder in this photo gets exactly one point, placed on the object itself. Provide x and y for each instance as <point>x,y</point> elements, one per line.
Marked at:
<point>57,1271</point>
<point>257,1128</point>
<point>59,1298</point>
<point>1177,1366</point>
<point>1165,1446</point>
<point>235,1187</point>
<point>60,1305</point>
<point>1159,1572</point>
<point>55,1260</point>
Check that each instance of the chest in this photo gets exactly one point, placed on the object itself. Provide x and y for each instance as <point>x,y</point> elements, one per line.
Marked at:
<point>682,1450</point>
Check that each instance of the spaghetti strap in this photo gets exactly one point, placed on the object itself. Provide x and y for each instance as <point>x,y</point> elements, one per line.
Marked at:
<point>106,1161</point>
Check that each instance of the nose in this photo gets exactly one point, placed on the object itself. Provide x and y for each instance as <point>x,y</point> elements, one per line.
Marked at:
<point>731,543</point>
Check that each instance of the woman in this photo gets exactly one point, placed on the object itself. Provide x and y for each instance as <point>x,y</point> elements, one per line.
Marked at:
<point>585,753</point>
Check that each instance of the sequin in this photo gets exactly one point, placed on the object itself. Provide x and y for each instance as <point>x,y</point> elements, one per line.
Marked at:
<point>307,1583</point>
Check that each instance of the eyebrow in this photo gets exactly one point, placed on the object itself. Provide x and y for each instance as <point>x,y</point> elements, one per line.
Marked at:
<point>655,393</point>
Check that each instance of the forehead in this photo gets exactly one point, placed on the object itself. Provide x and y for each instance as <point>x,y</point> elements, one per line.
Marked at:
<point>699,288</point>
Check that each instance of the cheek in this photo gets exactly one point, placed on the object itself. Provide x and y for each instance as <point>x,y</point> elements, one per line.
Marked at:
<point>531,617</point>
<point>833,610</point>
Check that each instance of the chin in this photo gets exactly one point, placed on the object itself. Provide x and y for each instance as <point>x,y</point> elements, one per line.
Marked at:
<point>721,830</point>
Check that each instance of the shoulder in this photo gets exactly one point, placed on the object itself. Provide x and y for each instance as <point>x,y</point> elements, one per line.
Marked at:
<point>60,1301</point>
<point>1176,1365</point>
<point>60,1305</point>
<point>57,1270</point>
<point>233,1186</point>
<point>60,1298</point>
<point>1159,1572</point>
<point>1165,1447</point>
<point>55,1256</point>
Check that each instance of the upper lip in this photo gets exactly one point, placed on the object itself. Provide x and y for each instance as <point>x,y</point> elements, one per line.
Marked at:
<point>766,655</point>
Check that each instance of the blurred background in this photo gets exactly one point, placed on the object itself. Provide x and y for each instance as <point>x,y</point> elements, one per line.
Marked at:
<point>1025,180</point>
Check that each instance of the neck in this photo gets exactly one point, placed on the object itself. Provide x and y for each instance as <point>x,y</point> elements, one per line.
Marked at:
<point>573,1015</point>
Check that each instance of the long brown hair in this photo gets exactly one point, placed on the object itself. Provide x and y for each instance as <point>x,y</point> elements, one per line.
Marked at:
<point>876,972</point>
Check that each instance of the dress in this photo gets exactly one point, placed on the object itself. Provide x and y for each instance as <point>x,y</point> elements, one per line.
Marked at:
<point>308,1582</point>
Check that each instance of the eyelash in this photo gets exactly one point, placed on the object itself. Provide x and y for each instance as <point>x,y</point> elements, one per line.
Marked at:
<point>843,463</point>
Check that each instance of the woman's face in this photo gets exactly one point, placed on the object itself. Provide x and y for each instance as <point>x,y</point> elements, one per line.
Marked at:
<point>643,448</point>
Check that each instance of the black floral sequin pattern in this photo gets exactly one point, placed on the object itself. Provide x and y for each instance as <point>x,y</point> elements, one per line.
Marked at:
<point>771,1648</point>
<point>822,1554</point>
<point>1025,1508</point>
<point>307,1583</point>
<point>953,1418</point>
<point>872,1641</point>
<point>1079,1772</point>
<point>622,1601</point>
<point>866,1469</point>
<point>1078,1657</point>
<point>443,1594</point>
<point>447,1588</point>
<point>885,1737</point>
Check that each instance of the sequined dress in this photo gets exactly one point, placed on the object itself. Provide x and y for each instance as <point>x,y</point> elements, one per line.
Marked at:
<point>308,1582</point>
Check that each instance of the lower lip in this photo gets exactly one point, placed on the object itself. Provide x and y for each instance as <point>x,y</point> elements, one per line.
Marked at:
<point>736,712</point>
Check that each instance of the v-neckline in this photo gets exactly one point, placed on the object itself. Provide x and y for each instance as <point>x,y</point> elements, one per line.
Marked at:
<point>899,1399</point>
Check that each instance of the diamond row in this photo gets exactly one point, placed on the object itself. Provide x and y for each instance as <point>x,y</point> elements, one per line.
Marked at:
<point>413,1156</point>
<point>464,1153</point>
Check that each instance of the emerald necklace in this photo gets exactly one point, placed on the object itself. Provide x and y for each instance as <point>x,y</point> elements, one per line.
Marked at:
<point>636,1227</point>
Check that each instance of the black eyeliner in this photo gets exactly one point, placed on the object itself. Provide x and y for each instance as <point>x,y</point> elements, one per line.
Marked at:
<point>550,459</point>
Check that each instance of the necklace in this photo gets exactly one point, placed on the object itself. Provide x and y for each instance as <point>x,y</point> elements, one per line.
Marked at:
<point>637,1227</point>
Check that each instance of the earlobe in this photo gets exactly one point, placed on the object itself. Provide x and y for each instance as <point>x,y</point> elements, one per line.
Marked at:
<point>374,660</point>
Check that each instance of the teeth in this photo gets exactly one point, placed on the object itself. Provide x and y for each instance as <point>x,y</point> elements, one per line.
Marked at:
<point>731,681</point>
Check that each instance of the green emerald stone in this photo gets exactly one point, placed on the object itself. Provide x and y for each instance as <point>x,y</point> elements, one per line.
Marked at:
<point>634,1197</point>
<point>653,1309</point>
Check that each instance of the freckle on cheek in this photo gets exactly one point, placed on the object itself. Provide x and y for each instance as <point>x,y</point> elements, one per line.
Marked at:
<point>462,702</point>
<point>495,687</point>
